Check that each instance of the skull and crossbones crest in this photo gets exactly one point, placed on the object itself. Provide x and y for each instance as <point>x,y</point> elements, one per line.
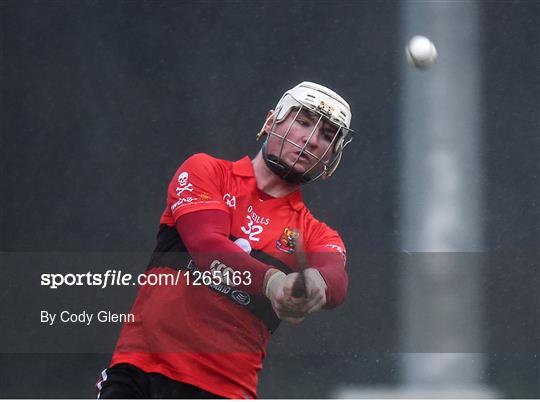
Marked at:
<point>183,181</point>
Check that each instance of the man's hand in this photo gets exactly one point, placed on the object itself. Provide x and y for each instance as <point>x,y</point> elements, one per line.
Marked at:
<point>279,290</point>
<point>315,289</point>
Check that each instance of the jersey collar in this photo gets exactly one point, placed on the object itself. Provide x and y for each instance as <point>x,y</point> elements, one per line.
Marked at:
<point>243,167</point>
<point>296,201</point>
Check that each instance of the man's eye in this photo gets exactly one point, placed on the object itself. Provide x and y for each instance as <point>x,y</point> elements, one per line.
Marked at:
<point>303,122</point>
<point>328,136</point>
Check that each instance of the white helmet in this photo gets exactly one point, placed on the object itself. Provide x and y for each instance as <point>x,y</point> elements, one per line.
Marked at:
<point>330,107</point>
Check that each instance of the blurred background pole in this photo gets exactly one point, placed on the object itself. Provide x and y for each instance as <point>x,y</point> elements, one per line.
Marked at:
<point>441,202</point>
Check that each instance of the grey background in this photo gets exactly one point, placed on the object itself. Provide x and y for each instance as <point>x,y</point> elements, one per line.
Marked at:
<point>101,101</point>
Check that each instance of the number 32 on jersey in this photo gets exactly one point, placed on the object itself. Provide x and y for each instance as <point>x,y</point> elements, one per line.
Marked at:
<point>254,225</point>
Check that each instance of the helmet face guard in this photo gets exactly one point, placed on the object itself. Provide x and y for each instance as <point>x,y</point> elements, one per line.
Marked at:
<point>328,112</point>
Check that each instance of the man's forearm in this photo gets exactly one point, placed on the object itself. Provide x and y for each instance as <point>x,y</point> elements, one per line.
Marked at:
<point>211,243</point>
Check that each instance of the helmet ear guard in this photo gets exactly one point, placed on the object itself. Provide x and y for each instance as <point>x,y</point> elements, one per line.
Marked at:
<point>338,149</point>
<point>343,140</point>
<point>261,133</point>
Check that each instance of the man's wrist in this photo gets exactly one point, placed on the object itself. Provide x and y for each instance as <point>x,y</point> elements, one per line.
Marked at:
<point>271,275</point>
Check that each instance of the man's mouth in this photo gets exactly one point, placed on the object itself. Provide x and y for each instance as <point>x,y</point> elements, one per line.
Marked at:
<point>301,157</point>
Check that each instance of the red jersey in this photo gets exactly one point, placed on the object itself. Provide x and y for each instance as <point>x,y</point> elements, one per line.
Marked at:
<point>216,340</point>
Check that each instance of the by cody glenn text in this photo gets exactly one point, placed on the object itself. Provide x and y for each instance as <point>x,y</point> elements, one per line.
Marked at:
<point>84,317</point>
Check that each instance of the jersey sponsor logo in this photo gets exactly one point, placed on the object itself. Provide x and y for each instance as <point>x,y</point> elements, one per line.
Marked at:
<point>181,201</point>
<point>287,241</point>
<point>183,182</point>
<point>254,225</point>
<point>241,297</point>
<point>230,200</point>
<point>222,271</point>
<point>220,288</point>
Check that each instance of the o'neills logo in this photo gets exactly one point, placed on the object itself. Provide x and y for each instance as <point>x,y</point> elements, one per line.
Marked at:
<point>287,241</point>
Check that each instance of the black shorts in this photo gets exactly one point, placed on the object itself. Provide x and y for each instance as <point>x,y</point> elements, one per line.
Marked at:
<point>125,381</point>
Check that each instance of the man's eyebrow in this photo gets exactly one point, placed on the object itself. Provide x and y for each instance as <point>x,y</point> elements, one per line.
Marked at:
<point>328,126</point>
<point>309,114</point>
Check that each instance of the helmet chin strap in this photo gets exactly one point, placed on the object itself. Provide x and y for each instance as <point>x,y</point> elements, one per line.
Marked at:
<point>282,170</point>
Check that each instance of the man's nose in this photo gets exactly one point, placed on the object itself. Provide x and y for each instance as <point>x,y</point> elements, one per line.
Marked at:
<point>311,137</point>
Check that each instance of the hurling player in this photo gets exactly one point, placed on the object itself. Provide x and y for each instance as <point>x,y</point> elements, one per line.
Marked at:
<point>232,232</point>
